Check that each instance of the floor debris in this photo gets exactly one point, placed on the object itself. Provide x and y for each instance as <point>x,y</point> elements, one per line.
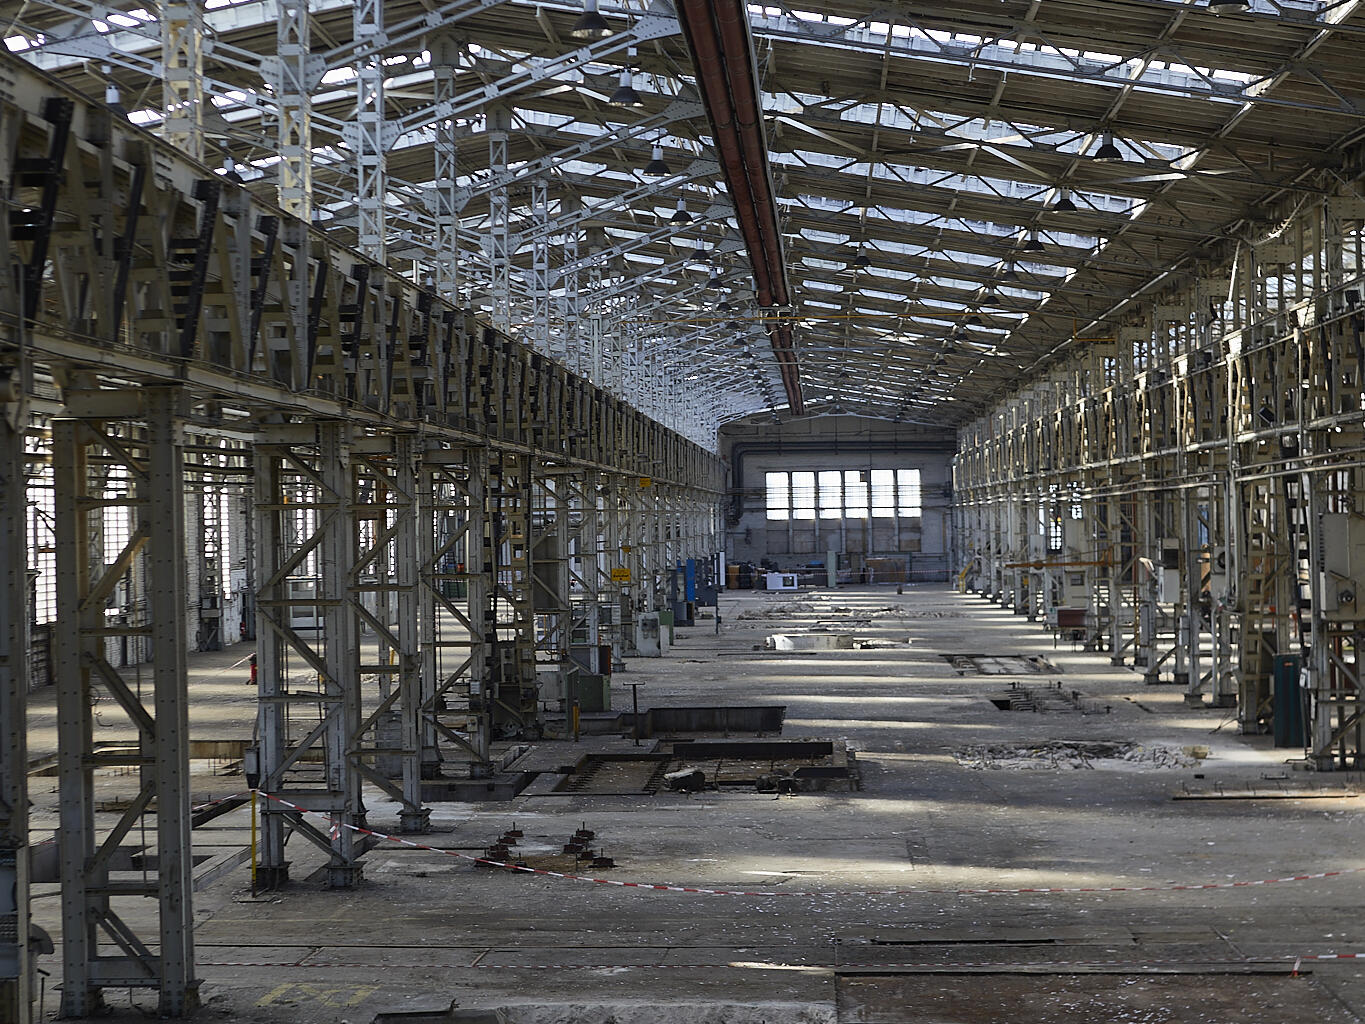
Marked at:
<point>1072,755</point>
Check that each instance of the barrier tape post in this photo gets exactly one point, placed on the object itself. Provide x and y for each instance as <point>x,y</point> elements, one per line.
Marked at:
<point>253,844</point>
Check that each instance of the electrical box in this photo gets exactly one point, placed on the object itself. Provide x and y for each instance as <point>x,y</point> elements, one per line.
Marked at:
<point>1168,586</point>
<point>1076,536</point>
<point>550,682</point>
<point>1075,589</point>
<point>779,581</point>
<point>647,643</point>
<point>1343,566</point>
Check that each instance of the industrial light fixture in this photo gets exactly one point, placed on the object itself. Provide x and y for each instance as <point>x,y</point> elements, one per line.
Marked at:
<point>1229,6</point>
<point>656,168</point>
<point>989,296</point>
<point>625,94</point>
<point>1031,244</point>
<point>861,262</point>
<point>111,96</point>
<point>973,321</point>
<point>590,24</point>
<point>230,171</point>
<point>681,216</point>
<point>1009,273</point>
<point>1062,202</point>
<point>714,282</point>
<point>1108,153</point>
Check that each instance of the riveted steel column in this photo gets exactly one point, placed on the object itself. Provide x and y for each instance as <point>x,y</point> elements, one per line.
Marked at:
<point>70,471</point>
<point>16,967</point>
<point>341,672</point>
<point>165,555</point>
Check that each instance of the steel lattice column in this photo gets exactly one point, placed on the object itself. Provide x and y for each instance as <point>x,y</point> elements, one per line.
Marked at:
<point>370,136</point>
<point>384,501</point>
<point>550,567</point>
<point>88,893</point>
<point>508,559</point>
<point>585,569</point>
<point>567,345</point>
<point>589,329</point>
<point>497,240</point>
<point>452,550</point>
<point>182,69</point>
<point>15,965</point>
<point>614,566</point>
<point>292,73</point>
<point>446,51</point>
<point>305,560</point>
<point>540,267</point>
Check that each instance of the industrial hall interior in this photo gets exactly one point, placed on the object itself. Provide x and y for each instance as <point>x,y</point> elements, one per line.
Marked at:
<point>682,511</point>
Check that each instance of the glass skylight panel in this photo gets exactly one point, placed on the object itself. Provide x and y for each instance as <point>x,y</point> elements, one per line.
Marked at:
<point>819,263</point>
<point>890,273</point>
<point>817,235</point>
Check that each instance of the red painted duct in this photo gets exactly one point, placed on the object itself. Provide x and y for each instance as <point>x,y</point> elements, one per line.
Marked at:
<point>723,57</point>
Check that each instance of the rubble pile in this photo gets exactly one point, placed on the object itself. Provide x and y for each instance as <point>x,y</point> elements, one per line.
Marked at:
<point>1074,755</point>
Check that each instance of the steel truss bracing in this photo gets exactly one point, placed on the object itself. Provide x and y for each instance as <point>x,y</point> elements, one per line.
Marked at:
<point>456,629</point>
<point>308,667</point>
<point>511,696</point>
<point>588,574</point>
<point>1219,508</point>
<point>352,158</point>
<point>142,434</point>
<point>551,555</point>
<point>394,445</point>
<point>386,580</point>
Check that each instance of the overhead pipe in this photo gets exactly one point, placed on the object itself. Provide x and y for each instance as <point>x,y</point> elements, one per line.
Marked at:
<point>721,44</point>
<point>710,65</point>
<point>733,22</point>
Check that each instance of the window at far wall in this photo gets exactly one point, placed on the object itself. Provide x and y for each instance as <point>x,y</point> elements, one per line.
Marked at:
<point>844,494</point>
<point>779,496</point>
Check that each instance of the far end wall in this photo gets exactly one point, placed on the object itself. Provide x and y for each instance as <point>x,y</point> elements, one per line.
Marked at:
<point>846,444</point>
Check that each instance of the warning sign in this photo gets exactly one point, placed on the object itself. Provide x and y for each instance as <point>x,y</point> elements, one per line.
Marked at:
<point>646,481</point>
<point>620,575</point>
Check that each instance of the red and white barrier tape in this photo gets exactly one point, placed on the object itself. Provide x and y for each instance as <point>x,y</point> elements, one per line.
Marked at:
<point>1294,960</point>
<point>336,824</point>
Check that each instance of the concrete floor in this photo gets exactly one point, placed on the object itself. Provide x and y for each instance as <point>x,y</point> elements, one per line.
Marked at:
<point>427,929</point>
